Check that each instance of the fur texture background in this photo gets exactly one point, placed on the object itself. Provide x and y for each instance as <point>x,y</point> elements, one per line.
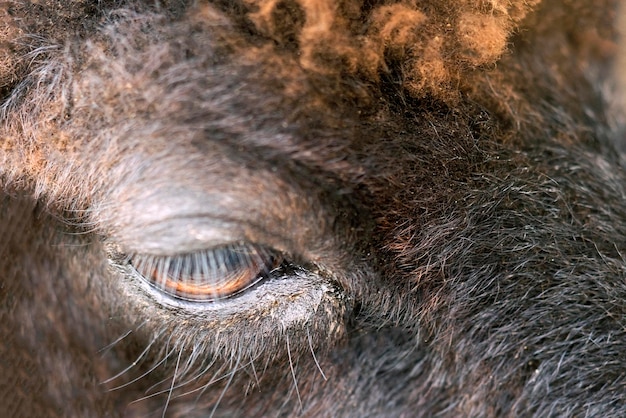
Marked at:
<point>444,179</point>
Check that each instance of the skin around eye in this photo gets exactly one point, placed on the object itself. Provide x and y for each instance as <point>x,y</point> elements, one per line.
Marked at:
<point>208,275</point>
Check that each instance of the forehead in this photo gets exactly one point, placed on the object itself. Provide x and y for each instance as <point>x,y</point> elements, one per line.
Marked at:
<point>156,117</point>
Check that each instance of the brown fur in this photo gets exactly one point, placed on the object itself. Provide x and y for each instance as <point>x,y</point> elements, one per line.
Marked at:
<point>444,180</point>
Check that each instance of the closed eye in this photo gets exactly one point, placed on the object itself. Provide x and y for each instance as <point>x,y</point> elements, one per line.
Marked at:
<point>208,275</point>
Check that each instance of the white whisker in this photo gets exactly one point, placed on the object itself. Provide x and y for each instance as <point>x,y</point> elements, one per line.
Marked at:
<point>107,347</point>
<point>230,379</point>
<point>169,395</point>
<point>134,363</point>
<point>293,372</point>
<point>313,353</point>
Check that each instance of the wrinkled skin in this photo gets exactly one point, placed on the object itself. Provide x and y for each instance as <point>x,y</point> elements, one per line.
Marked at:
<point>451,257</point>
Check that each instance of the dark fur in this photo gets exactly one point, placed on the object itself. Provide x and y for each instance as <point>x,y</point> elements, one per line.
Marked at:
<point>456,247</point>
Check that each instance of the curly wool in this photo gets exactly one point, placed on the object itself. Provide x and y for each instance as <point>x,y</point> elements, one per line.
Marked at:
<point>435,42</point>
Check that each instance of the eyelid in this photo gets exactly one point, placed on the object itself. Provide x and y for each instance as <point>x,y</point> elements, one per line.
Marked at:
<point>208,275</point>
<point>169,206</point>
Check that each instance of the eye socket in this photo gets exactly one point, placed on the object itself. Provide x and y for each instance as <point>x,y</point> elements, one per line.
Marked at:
<point>208,275</point>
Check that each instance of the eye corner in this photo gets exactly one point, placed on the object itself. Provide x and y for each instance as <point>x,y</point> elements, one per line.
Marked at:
<point>115,253</point>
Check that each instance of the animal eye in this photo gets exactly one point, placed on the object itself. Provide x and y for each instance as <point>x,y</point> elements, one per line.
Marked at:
<point>208,275</point>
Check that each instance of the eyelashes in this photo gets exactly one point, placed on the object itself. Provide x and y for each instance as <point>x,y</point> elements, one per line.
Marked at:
<point>208,275</point>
